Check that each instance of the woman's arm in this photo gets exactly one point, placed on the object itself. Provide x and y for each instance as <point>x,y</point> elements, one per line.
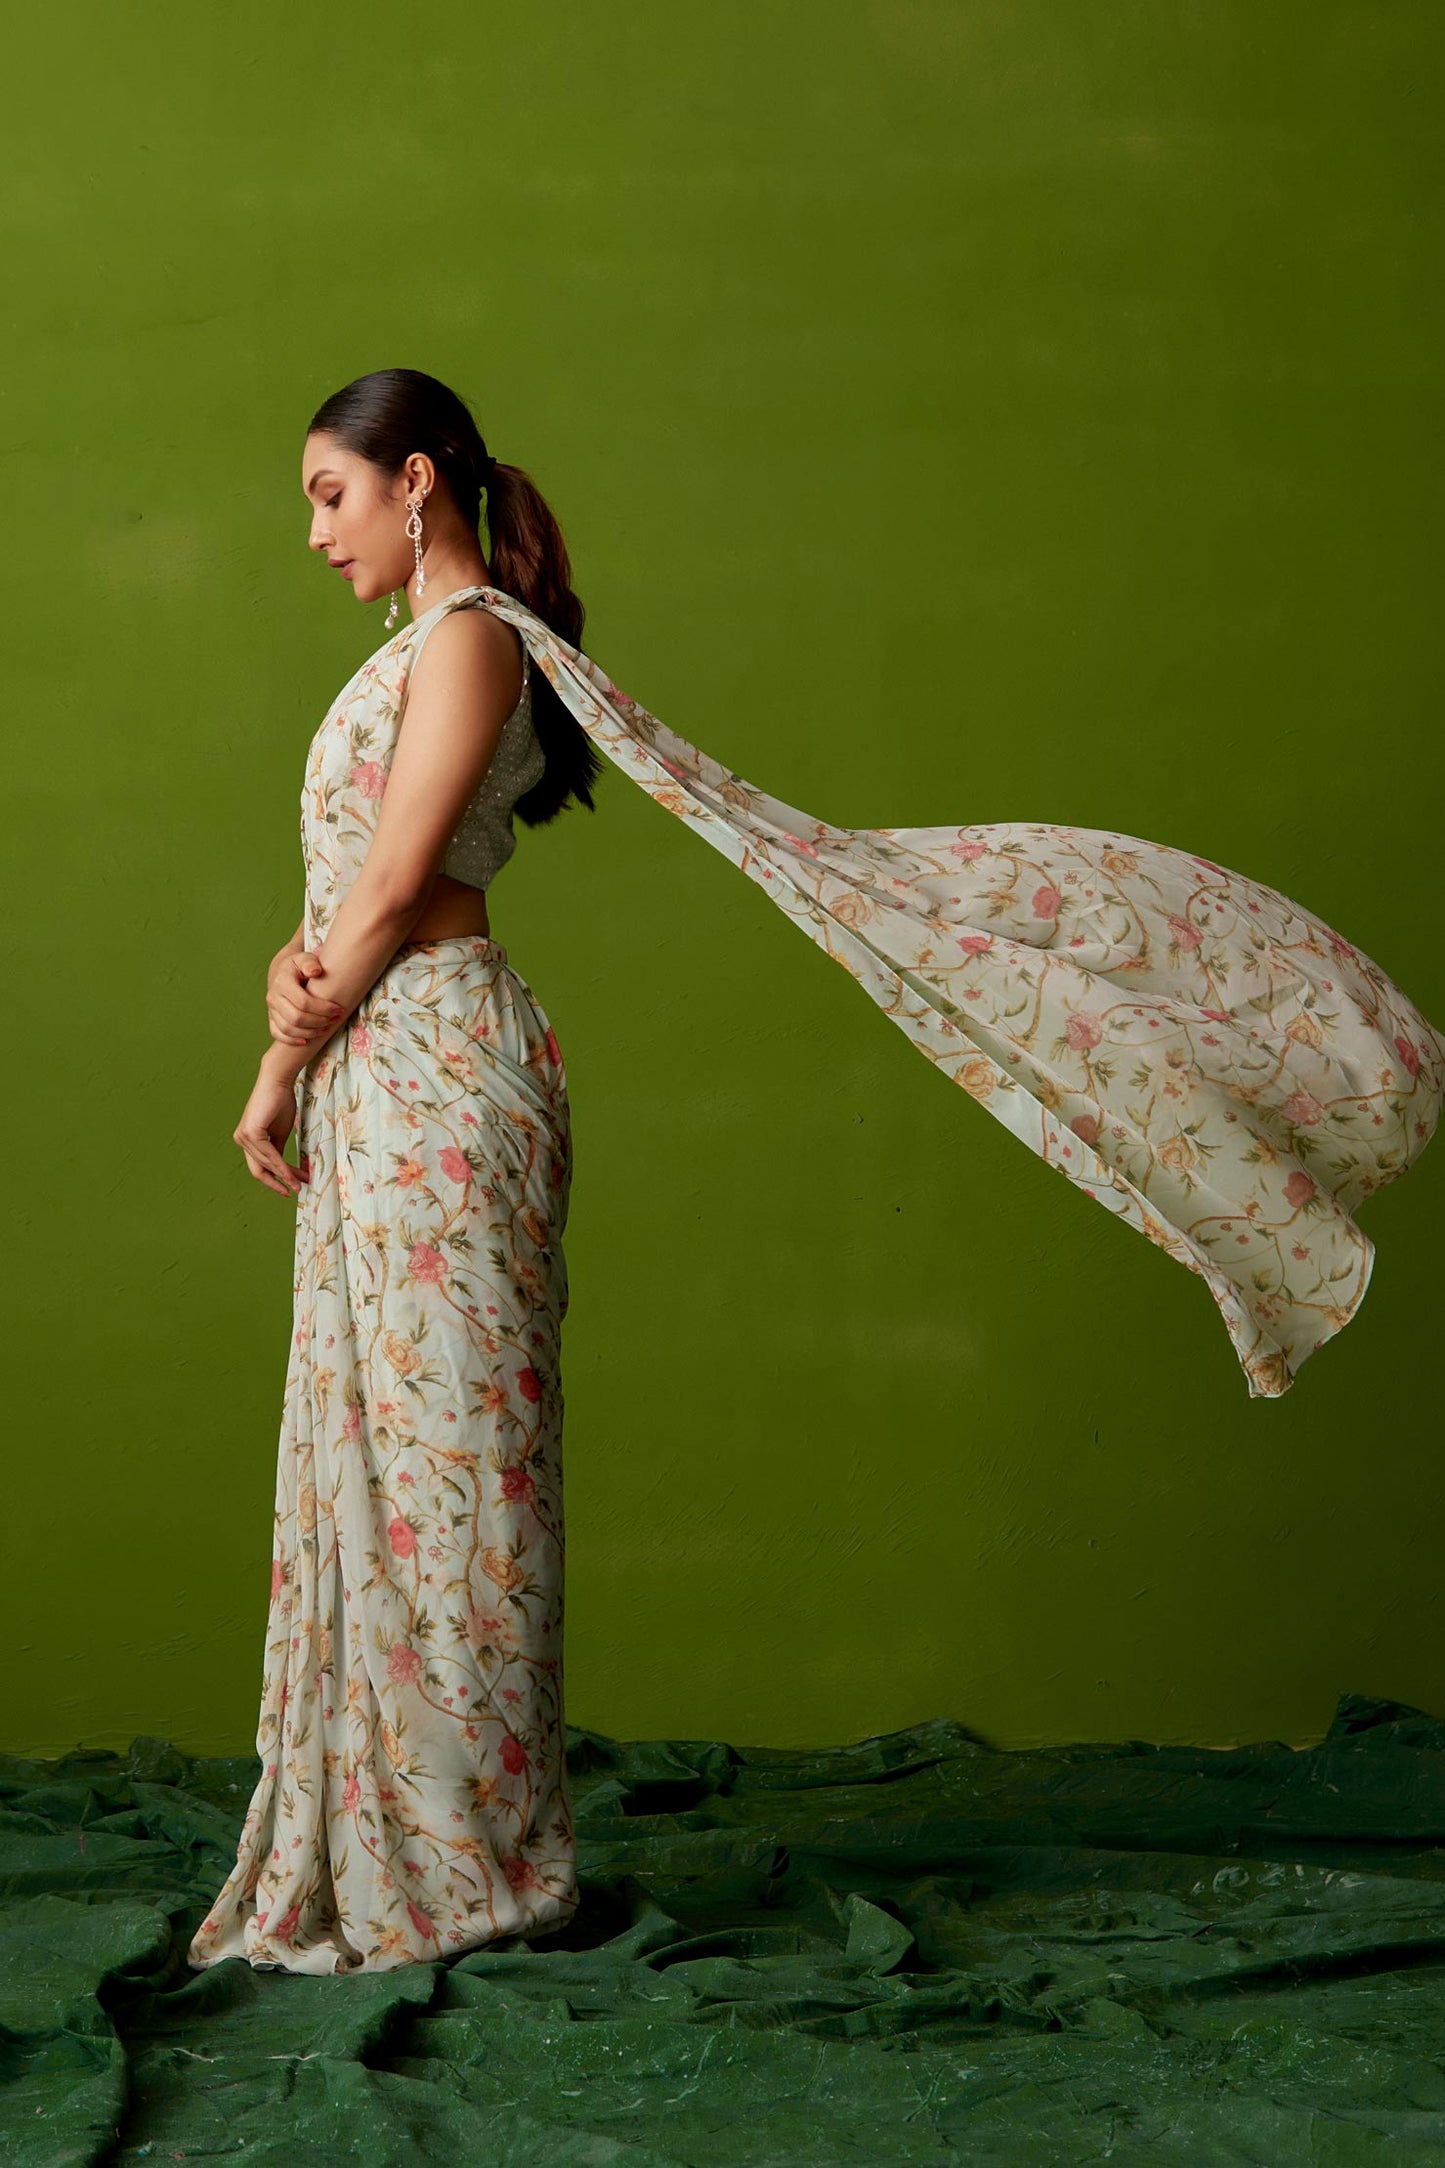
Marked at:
<point>366,933</point>
<point>463,686</point>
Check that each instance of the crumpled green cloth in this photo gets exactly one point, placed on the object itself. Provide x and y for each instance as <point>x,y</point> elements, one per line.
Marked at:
<point>912,1948</point>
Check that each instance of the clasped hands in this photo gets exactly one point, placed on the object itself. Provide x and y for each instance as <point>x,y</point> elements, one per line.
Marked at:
<point>296,1014</point>
<point>297,1017</point>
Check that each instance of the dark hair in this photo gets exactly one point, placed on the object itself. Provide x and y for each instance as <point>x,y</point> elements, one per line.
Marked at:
<point>387,415</point>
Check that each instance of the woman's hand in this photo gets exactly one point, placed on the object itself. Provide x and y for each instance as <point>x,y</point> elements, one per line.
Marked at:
<point>268,1120</point>
<point>295,1014</point>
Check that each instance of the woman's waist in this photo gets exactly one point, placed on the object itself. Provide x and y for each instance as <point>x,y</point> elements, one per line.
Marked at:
<point>453,908</point>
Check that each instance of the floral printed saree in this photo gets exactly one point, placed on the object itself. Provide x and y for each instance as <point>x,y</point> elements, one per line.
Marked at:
<point>413,1795</point>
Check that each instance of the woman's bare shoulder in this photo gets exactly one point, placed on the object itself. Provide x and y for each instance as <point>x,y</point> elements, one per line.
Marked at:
<point>472,645</point>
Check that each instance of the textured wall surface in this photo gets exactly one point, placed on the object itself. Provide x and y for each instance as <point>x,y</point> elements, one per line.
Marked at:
<point>956,413</point>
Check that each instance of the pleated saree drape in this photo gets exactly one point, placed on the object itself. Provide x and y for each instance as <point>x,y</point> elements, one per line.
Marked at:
<point>1199,1054</point>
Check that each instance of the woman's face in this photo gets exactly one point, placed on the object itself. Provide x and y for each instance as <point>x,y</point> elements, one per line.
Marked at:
<point>357,523</point>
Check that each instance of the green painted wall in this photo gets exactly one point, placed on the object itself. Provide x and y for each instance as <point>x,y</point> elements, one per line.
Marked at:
<point>957,413</point>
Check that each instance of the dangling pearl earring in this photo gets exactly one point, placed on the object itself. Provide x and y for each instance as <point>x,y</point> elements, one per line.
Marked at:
<point>413,528</point>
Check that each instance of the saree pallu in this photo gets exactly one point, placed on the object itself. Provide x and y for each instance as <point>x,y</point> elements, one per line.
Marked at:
<point>413,1800</point>
<point>1204,1057</point>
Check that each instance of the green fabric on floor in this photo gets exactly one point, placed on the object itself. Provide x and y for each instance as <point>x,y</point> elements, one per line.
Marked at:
<point>911,1949</point>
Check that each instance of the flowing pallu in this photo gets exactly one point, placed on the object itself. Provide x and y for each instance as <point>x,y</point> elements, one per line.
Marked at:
<point>413,1801</point>
<point>1201,1055</point>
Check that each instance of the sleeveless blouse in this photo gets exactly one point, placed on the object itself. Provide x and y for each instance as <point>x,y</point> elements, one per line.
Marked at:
<point>349,760</point>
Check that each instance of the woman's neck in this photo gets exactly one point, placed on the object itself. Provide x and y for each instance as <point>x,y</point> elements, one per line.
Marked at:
<point>447,578</point>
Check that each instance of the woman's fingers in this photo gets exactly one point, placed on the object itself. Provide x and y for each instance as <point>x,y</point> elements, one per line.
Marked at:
<point>281,1029</point>
<point>292,1034</point>
<point>296,1013</point>
<point>309,966</point>
<point>297,1021</point>
<point>267,1164</point>
<point>269,1179</point>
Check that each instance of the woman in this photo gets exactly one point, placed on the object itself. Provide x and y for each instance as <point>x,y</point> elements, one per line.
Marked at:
<point>413,1799</point>
<point>1194,1050</point>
